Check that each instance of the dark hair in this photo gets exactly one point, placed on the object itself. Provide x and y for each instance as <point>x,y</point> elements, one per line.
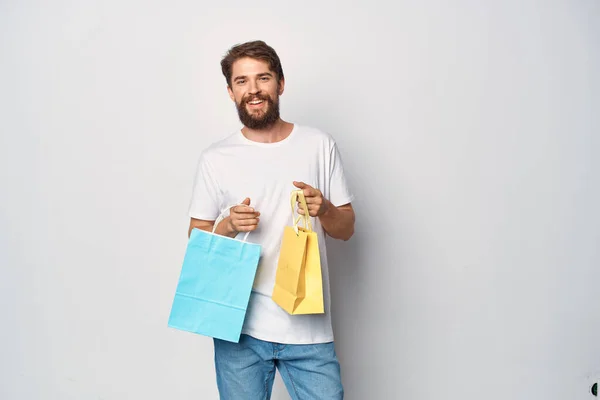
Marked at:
<point>256,49</point>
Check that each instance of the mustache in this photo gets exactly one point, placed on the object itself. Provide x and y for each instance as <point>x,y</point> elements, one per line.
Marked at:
<point>258,96</point>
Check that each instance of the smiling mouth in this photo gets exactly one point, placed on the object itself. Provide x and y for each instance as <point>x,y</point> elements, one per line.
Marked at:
<point>255,102</point>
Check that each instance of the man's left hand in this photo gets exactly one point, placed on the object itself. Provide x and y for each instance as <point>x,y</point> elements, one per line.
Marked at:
<point>317,204</point>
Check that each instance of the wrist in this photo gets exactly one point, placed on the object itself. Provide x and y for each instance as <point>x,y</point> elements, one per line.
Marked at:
<point>229,229</point>
<point>225,228</point>
<point>329,207</point>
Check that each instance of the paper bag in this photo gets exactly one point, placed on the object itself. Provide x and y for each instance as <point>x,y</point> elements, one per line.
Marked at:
<point>214,285</point>
<point>298,282</point>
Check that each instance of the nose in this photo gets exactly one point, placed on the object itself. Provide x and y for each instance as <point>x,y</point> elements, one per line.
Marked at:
<point>253,88</point>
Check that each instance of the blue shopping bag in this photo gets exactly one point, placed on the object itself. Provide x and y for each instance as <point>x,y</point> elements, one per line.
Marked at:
<point>214,285</point>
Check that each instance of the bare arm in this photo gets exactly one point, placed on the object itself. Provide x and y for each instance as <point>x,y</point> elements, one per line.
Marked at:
<point>222,228</point>
<point>338,222</point>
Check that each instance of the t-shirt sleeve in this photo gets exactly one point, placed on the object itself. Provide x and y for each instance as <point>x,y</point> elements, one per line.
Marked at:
<point>339,192</point>
<point>204,203</point>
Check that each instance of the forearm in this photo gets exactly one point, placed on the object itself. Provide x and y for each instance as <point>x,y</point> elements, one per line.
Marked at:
<point>224,228</point>
<point>338,222</point>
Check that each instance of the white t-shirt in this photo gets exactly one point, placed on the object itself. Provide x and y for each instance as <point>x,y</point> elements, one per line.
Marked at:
<point>235,168</point>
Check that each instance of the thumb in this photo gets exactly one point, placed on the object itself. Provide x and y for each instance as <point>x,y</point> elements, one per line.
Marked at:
<point>299,185</point>
<point>246,201</point>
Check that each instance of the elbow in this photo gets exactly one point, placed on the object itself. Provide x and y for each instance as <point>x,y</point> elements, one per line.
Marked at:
<point>345,236</point>
<point>348,235</point>
<point>350,230</point>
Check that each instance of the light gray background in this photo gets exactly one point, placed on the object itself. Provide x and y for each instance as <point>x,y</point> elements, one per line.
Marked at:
<point>469,130</point>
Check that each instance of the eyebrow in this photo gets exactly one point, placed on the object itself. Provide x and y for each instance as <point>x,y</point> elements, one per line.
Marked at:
<point>258,75</point>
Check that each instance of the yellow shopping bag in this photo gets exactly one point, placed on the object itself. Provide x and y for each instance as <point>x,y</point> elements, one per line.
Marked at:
<point>298,282</point>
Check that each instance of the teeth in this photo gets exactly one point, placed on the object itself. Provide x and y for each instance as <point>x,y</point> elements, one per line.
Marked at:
<point>256,102</point>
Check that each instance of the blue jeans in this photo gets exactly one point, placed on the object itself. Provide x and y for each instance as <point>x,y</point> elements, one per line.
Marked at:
<point>246,370</point>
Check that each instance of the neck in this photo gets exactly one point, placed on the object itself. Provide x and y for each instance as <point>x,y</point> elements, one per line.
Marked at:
<point>272,134</point>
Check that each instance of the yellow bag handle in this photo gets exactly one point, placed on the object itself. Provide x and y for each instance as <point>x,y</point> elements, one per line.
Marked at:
<point>294,198</point>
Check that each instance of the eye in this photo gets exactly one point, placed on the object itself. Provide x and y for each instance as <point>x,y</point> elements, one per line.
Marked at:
<point>240,82</point>
<point>264,78</point>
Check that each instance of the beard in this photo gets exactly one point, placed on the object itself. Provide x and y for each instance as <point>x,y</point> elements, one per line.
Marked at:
<point>261,119</point>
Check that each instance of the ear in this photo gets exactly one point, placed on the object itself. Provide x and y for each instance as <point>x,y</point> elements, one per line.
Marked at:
<point>281,86</point>
<point>231,96</point>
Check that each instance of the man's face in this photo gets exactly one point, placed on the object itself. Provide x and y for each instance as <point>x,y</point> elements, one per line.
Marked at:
<point>255,91</point>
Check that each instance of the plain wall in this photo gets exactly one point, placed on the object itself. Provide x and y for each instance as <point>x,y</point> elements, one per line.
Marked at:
<point>469,132</point>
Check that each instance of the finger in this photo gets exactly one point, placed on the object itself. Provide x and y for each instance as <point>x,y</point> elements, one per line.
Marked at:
<point>242,209</point>
<point>246,201</point>
<point>310,193</point>
<point>311,197</point>
<point>246,228</point>
<point>307,190</point>
<point>313,210</point>
<point>248,222</point>
<point>313,205</point>
<point>245,215</point>
<point>299,204</point>
<point>299,185</point>
<point>314,197</point>
<point>244,219</point>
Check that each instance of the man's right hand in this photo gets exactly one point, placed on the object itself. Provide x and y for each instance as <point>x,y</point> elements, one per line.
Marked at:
<point>242,218</point>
